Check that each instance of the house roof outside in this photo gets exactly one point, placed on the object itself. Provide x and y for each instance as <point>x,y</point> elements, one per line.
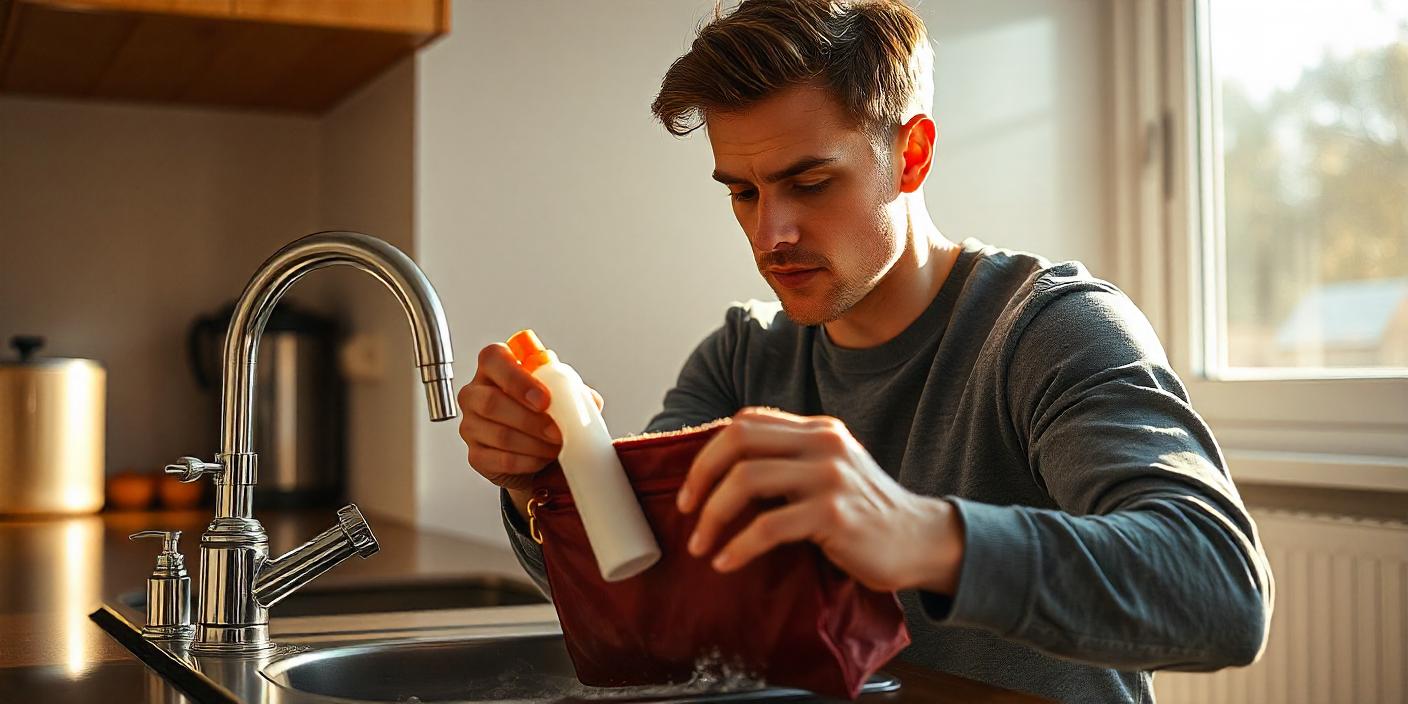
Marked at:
<point>1343,314</point>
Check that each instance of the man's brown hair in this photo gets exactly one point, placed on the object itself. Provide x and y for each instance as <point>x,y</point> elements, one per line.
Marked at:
<point>873,55</point>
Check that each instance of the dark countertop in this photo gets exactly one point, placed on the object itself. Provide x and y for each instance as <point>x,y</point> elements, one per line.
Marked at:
<point>56,571</point>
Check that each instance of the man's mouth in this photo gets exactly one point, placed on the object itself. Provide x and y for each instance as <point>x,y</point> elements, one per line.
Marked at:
<point>793,277</point>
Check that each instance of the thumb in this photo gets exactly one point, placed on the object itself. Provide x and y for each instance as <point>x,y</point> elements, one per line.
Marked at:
<point>600,402</point>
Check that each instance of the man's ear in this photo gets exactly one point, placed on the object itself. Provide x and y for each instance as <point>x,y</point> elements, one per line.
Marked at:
<point>916,151</point>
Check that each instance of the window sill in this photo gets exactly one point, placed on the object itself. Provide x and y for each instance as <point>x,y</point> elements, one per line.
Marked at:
<point>1365,473</point>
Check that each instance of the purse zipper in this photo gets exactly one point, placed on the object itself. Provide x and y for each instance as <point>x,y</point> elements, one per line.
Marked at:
<point>551,501</point>
<point>544,500</point>
<point>556,500</point>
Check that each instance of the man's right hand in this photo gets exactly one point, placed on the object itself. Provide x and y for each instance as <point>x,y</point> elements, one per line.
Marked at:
<point>505,423</point>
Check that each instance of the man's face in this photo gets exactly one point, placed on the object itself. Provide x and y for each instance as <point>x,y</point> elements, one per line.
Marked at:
<point>813,197</point>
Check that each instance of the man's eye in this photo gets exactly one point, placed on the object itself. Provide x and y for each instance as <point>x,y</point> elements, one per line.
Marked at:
<point>817,187</point>
<point>745,195</point>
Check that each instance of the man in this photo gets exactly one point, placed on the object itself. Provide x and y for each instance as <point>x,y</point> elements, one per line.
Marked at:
<point>999,439</point>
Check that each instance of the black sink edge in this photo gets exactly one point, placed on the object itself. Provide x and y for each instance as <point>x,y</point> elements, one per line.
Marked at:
<point>192,683</point>
<point>205,691</point>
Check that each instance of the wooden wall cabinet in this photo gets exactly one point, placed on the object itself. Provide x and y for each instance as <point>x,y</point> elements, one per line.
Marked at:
<point>295,55</point>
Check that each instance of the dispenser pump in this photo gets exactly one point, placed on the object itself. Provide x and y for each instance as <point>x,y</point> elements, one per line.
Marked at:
<point>170,546</point>
<point>168,589</point>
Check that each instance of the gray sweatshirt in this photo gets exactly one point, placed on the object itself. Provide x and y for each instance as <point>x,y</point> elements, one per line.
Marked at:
<point>1104,538</point>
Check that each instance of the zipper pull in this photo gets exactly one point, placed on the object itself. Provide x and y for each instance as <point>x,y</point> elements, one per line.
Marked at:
<point>533,520</point>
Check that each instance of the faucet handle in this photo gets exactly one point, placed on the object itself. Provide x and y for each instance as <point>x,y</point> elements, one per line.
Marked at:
<point>190,469</point>
<point>358,533</point>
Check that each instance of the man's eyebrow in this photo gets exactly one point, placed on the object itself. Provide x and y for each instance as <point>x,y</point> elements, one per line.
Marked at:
<point>801,166</point>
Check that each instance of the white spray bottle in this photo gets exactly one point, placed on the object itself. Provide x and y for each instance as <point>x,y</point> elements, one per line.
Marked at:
<point>616,527</point>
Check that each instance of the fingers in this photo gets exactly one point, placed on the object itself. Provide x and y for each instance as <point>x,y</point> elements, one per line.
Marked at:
<point>789,524</point>
<point>600,402</point>
<point>751,435</point>
<point>750,480</point>
<point>499,367</point>
<point>509,470</point>
<point>768,414</point>
<point>504,423</point>
<point>484,403</point>
<point>767,453</point>
<point>509,439</point>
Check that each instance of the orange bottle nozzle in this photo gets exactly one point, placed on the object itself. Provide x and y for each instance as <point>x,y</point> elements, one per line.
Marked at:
<point>529,350</point>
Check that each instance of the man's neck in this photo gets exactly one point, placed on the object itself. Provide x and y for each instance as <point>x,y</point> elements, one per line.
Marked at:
<point>904,293</point>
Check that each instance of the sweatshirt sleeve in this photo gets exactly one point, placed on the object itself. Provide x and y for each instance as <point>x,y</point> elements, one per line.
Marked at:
<point>1150,559</point>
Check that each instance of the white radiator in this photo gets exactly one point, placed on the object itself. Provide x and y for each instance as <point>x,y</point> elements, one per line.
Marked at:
<point>1340,623</point>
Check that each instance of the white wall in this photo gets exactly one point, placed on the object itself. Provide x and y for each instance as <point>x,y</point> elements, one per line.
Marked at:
<point>547,197</point>
<point>121,223</point>
<point>367,166</point>
<point>1020,96</point>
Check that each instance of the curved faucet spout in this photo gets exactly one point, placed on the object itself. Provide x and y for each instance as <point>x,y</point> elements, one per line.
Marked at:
<point>238,580</point>
<point>386,264</point>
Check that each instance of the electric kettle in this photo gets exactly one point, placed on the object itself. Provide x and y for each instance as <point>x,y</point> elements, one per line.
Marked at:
<point>300,403</point>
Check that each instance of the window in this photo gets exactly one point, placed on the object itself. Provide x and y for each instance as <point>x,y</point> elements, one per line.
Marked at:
<point>1261,221</point>
<point>1309,239</point>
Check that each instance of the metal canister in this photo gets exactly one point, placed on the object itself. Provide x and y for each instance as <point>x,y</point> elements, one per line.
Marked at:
<point>51,433</point>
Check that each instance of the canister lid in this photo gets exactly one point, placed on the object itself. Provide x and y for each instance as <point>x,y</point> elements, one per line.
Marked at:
<point>27,345</point>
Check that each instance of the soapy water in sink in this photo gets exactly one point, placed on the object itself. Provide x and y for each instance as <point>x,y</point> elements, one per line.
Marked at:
<point>712,674</point>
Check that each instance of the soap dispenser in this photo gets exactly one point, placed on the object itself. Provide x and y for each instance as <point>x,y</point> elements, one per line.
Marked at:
<point>168,590</point>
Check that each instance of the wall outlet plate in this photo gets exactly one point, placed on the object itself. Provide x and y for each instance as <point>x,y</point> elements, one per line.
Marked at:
<point>363,358</point>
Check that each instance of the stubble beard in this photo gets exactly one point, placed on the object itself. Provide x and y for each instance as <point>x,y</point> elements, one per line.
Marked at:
<point>842,295</point>
<point>834,303</point>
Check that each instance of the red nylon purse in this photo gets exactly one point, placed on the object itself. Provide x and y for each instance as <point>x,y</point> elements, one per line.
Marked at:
<point>789,617</point>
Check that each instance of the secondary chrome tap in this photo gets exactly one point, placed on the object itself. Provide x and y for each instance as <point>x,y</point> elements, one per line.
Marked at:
<point>239,582</point>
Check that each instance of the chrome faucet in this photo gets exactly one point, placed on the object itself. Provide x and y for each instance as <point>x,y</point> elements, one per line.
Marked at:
<point>239,582</point>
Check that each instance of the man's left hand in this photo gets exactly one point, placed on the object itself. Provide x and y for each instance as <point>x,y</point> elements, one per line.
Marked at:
<point>885,536</point>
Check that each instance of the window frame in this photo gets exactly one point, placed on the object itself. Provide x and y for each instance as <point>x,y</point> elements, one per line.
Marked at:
<point>1349,432</point>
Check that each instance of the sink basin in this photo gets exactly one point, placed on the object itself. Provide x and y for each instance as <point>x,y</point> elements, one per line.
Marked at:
<point>325,600</point>
<point>504,654</point>
<point>415,642</point>
<point>513,669</point>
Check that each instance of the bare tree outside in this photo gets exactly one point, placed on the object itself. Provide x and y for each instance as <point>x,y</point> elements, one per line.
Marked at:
<point>1314,127</point>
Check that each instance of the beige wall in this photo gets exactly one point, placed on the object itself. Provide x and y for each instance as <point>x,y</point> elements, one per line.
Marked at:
<point>366,161</point>
<point>548,199</point>
<point>120,223</point>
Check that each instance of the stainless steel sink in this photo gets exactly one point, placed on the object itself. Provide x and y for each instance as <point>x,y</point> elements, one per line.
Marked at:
<point>515,669</point>
<point>460,593</point>
<point>530,667</point>
<point>501,654</point>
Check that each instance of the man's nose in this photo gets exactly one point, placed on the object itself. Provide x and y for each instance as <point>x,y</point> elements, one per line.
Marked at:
<point>776,224</point>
